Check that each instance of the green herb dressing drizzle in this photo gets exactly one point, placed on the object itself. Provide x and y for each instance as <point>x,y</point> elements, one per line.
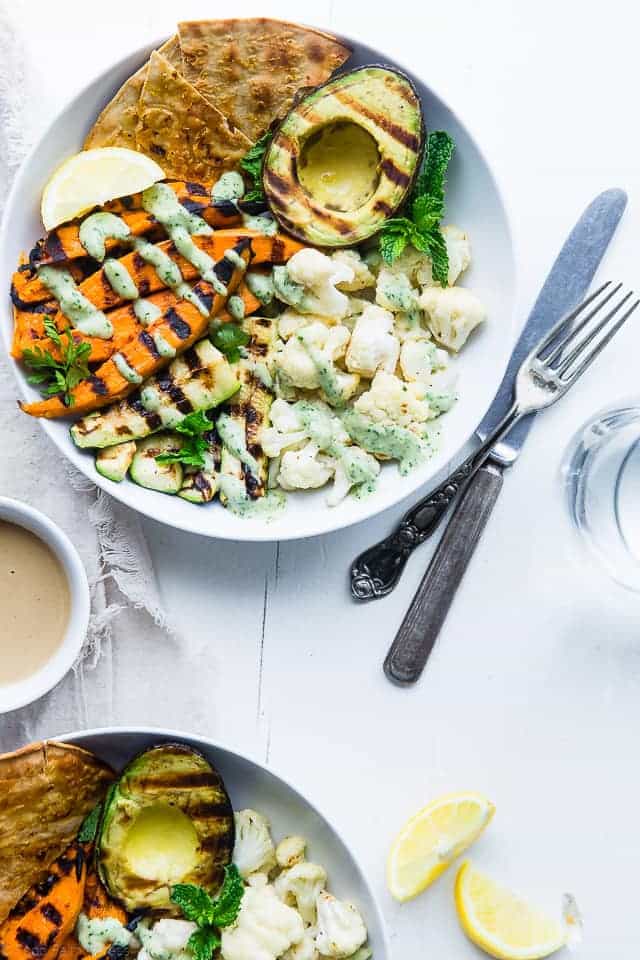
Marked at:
<point>85,317</point>
<point>97,228</point>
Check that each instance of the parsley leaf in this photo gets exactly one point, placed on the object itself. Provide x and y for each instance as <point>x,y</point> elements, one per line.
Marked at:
<point>89,826</point>
<point>210,914</point>
<point>58,375</point>
<point>228,338</point>
<point>193,426</point>
<point>251,163</point>
<point>426,205</point>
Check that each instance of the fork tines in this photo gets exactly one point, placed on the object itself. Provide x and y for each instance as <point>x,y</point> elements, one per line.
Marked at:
<point>563,347</point>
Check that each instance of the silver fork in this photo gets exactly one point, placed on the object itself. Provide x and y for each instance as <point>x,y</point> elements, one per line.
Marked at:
<point>547,373</point>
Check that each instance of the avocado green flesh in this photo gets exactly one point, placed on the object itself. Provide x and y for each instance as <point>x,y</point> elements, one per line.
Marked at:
<point>345,157</point>
<point>168,820</point>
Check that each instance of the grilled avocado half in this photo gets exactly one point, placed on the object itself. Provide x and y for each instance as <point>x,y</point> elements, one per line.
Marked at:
<point>345,157</point>
<point>167,820</point>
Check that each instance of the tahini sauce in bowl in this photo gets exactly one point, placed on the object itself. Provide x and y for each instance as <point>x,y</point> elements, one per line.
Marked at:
<point>44,604</point>
<point>35,602</point>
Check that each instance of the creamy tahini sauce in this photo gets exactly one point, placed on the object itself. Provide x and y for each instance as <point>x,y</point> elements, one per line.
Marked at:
<point>34,600</point>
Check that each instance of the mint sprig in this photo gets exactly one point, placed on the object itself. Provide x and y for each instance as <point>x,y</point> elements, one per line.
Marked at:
<point>89,826</point>
<point>426,208</point>
<point>211,914</point>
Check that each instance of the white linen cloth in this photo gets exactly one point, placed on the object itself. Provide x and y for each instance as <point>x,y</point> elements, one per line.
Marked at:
<point>108,536</point>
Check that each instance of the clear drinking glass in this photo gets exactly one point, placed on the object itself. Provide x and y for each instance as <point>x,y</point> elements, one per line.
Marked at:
<point>601,472</point>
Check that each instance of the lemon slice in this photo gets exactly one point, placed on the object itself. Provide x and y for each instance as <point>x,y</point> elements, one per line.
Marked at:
<point>502,924</point>
<point>91,178</point>
<point>432,839</point>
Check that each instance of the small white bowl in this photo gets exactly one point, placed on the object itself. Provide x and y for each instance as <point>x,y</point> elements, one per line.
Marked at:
<point>14,695</point>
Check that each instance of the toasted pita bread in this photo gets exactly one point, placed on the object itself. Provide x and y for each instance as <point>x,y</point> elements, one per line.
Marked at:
<point>116,125</point>
<point>186,134</point>
<point>46,790</point>
<point>254,69</point>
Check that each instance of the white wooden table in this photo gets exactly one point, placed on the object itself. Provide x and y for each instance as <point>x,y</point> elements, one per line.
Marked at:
<point>533,694</point>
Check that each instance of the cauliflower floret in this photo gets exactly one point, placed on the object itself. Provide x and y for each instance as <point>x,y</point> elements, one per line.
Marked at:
<point>285,431</point>
<point>452,314</point>
<point>421,358</point>
<point>308,283</point>
<point>299,886</point>
<point>394,291</point>
<point>258,879</point>
<point>391,401</point>
<point>307,361</point>
<point>458,251</point>
<point>305,469</point>
<point>254,849</point>
<point>373,346</point>
<point>362,276</point>
<point>417,265</point>
<point>306,949</point>
<point>166,939</point>
<point>290,851</point>
<point>265,927</point>
<point>341,929</point>
<point>355,467</point>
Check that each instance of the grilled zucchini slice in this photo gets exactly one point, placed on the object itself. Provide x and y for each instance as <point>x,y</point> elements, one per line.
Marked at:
<point>199,379</point>
<point>147,472</point>
<point>242,455</point>
<point>114,462</point>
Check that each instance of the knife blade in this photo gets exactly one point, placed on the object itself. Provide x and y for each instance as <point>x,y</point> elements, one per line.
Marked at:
<point>564,288</point>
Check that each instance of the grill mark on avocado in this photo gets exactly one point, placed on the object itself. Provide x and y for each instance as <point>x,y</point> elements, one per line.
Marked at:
<point>179,781</point>
<point>181,329</point>
<point>394,130</point>
<point>384,208</point>
<point>396,176</point>
<point>147,341</point>
<point>277,183</point>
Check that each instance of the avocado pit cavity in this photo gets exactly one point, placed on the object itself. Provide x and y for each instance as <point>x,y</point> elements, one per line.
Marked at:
<point>339,166</point>
<point>161,844</point>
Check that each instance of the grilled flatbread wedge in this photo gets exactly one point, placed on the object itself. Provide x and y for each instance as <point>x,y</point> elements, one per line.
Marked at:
<point>116,125</point>
<point>46,790</point>
<point>253,69</point>
<point>185,133</point>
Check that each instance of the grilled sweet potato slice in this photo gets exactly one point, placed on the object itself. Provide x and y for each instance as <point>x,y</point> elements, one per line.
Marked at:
<point>181,325</point>
<point>40,922</point>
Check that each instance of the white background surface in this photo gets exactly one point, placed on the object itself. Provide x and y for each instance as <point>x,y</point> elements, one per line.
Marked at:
<point>532,695</point>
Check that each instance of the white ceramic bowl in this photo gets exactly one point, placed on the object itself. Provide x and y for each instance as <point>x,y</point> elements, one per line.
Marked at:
<point>25,691</point>
<point>474,202</point>
<point>252,785</point>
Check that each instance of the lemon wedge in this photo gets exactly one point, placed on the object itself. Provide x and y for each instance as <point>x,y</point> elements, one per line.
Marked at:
<point>432,839</point>
<point>501,923</point>
<point>91,178</point>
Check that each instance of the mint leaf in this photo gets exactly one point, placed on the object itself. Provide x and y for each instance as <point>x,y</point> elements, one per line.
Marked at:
<point>226,905</point>
<point>194,424</point>
<point>426,204</point>
<point>251,163</point>
<point>228,338</point>
<point>432,178</point>
<point>195,903</point>
<point>89,826</point>
<point>203,942</point>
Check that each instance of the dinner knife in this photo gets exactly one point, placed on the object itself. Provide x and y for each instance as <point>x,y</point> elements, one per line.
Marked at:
<point>564,288</point>
<point>376,571</point>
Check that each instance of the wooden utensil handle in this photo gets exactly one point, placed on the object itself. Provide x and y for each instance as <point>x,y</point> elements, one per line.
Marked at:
<point>420,628</point>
